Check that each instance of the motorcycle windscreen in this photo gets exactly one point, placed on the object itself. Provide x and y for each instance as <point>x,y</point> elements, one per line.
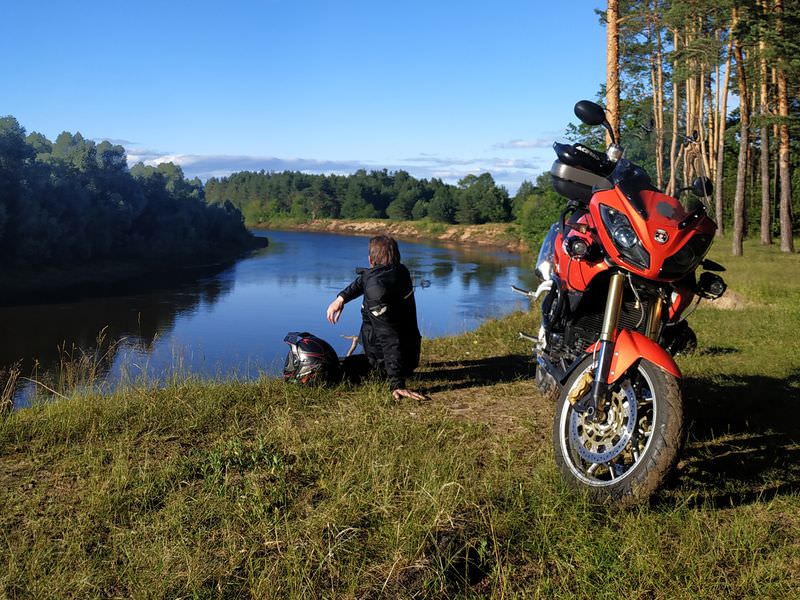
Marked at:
<point>544,262</point>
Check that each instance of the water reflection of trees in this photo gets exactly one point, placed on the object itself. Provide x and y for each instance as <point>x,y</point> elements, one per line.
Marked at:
<point>438,264</point>
<point>442,271</point>
<point>321,281</point>
<point>47,339</point>
<point>484,274</point>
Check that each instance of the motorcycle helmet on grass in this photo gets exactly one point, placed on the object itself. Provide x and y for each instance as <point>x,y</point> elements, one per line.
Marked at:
<point>311,360</point>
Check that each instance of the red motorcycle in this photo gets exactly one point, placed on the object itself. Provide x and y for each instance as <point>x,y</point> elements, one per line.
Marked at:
<point>619,278</point>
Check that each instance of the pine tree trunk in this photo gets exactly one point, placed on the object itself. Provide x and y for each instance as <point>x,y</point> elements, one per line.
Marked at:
<point>739,214</point>
<point>702,167</point>
<point>723,119</point>
<point>688,125</point>
<point>709,147</point>
<point>657,85</point>
<point>766,208</point>
<point>660,119</point>
<point>673,149</point>
<point>787,243</point>
<point>612,67</point>
<point>776,150</point>
<point>712,151</point>
<point>660,98</point>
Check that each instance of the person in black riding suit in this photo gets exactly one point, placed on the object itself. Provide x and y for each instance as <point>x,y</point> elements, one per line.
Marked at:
<point>389,332</point>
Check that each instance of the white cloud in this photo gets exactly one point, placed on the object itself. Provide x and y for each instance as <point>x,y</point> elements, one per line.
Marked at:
<point>523,144</point>
<point>115,141</point>
<point>508,172</point>
<point>210,165</point>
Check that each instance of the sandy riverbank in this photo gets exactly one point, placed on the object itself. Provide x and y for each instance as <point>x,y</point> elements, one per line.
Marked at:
<point>495,235</point>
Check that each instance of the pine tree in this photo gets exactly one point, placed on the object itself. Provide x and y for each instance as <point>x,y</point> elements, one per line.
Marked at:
<point>763,127</point>
<point>739,216</point>
<point>787,243</point>
<point>612,67</point>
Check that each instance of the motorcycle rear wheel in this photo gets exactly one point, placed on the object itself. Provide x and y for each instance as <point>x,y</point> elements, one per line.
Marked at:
<point>625,457</point>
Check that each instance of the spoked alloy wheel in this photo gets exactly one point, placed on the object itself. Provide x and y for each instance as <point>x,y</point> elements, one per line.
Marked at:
<point>624,456</point>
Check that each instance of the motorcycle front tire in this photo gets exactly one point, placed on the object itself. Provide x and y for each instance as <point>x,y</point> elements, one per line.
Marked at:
<point>655,436</point>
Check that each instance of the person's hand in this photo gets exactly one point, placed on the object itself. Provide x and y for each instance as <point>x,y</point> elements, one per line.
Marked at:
<point>335,309</point>
<point>403,393</point>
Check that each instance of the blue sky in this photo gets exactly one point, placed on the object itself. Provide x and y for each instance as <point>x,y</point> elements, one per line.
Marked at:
<point>438,88</point>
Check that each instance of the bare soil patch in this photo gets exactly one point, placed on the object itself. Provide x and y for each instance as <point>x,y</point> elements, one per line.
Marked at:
<point>730,301</point>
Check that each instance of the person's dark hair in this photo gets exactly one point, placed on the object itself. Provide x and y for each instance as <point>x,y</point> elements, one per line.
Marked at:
<point>383,251</point>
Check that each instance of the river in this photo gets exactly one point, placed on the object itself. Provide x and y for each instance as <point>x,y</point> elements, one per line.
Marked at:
<point>232,322</point>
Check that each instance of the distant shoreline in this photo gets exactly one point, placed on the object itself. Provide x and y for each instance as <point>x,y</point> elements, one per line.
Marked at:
<point>491,235</point>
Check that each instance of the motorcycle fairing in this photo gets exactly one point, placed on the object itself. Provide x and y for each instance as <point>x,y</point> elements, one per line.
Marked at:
<point>630,346</point>
<point>682,296</point>
<point>578,273</point>
<point>660,232</point>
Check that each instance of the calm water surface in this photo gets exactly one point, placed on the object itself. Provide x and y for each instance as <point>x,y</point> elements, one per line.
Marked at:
<point>233,322</point>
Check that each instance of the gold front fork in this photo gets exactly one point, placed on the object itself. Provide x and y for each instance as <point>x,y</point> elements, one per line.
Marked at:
<point>654,318</point>
<point>613,307</point>
<point>606,347</point>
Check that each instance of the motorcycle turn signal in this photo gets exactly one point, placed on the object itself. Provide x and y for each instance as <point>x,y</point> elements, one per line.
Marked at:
<point>710,286</point>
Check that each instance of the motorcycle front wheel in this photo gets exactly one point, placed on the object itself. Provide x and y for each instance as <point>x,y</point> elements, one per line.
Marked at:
<point>624,456</point>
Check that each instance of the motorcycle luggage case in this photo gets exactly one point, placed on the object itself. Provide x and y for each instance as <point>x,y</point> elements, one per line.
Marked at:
<point>576,183</point>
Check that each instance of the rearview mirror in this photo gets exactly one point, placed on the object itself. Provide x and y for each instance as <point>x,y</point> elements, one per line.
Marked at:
<point>590,113</point>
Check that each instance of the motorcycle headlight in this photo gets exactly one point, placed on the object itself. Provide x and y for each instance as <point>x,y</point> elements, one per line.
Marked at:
<point>624,237</point>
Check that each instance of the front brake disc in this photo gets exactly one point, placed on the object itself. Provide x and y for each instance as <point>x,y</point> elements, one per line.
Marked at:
<point>600,442</point>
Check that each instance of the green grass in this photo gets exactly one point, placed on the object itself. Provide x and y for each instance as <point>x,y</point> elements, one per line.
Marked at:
<point>263,490</point>
<point>429,227</point>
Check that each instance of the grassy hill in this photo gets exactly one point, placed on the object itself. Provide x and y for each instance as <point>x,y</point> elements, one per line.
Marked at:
<point>263,490</point>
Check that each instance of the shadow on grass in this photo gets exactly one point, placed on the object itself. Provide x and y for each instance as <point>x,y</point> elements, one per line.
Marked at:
<point>717,351</point>
<point>742,433</point>
<point>461,374</point>
<point>743,440</point>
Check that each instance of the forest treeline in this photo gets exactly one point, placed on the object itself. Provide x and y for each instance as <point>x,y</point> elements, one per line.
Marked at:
<point>73,201</point>
<point>265,196</point>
